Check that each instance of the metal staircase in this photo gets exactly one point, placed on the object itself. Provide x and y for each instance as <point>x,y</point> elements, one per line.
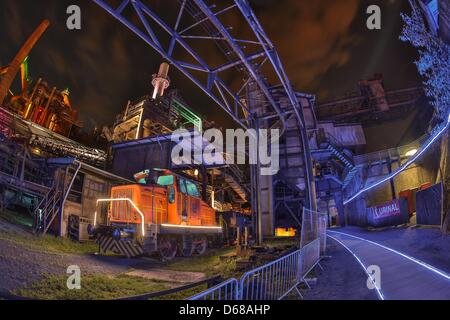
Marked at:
<point>52,204</point>
<point>351,174</point>
<point>341,156</point>
<point>234,177</point>
<point>328,142</point>
<point>47,210</point>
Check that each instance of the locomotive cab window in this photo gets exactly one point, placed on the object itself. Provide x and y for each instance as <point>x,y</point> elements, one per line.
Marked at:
<point>165,180</point>
<point>182,186</point>
<point>192,189</point>
<point>171,194</point>
<point>189,188</point>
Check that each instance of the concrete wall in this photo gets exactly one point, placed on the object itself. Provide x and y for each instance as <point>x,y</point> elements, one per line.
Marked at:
<point>424,171</point>
<point>347,135</point>
<point>445,178</point>
<point>131,160</point>
<point>355,211</point>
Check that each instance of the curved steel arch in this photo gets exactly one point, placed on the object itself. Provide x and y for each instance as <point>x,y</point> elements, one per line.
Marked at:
<point>207,27</point>
<point>251,59</point>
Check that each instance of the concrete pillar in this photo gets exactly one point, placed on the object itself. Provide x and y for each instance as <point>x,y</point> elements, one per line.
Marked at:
<point>445,171</point>
<point>263,197</point>
<point>339,199</point>
<point>391,181</point>
<point>267,205</point>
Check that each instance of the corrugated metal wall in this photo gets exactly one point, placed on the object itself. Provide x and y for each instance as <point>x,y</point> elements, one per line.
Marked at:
<point>133,159</point>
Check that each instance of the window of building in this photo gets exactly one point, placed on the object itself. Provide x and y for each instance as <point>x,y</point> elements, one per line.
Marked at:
<point>94,189</point>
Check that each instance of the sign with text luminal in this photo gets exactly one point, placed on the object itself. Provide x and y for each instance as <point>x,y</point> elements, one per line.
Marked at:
<point>388,214</point>
<point>389,209</point>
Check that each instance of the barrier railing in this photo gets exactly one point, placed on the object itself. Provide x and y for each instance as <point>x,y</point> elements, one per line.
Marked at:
<point>310,258</point>
<point>225,291</point>
<point>277,279</point>
<point>273,281</point>
<point>323,225</point>
<point>314,226</point>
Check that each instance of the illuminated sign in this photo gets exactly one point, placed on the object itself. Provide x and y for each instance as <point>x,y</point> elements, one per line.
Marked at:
<point>387,210</point>
<point>388,214</point>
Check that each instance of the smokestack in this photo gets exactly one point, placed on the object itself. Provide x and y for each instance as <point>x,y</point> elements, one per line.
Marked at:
<point>14,66</point>
<point>161,80</point>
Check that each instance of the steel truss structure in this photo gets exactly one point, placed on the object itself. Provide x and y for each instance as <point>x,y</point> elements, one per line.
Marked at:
<point>222,48</point>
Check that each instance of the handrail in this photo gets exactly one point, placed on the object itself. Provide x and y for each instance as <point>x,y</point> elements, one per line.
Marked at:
<point>269,264</point>
<point>434,135</point>
<point>132,203</point>
<point>219,287</point>
<point>397,151</point>
<point>147,296</point>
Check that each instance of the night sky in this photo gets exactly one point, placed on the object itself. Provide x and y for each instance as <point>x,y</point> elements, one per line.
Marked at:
<point>324,45</point>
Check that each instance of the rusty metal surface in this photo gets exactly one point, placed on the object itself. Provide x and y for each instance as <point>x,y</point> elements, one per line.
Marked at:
<point>14,67</point>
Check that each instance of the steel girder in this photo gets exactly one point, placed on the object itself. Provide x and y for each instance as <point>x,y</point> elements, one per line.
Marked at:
<point>203,24</point>
<point>251,59</point>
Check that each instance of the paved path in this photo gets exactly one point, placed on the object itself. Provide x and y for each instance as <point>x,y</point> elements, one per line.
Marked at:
<point>402,277</point>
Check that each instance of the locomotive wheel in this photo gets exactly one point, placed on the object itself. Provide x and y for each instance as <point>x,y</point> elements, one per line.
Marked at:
<point>167,248</point>
<point>200,245</point>
<point>186,247</point>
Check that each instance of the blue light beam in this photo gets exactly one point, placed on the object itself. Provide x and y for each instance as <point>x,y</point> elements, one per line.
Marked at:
<point>402,168</point>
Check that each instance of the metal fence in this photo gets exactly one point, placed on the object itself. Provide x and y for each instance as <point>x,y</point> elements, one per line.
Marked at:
<point>310,227</point>
<point>323,225</point>
<point>277,279</point>
<point>310,258</point>
<point>224,291</point>
<point>314,226</point>
<point>272,281</point>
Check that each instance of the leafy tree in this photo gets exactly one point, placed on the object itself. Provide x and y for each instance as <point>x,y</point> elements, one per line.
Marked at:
<point>433,63</point>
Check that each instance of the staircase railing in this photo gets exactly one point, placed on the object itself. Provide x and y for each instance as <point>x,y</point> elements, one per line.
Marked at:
<point>53,202</point>
<point>47,210</point>
<point>336,147</point>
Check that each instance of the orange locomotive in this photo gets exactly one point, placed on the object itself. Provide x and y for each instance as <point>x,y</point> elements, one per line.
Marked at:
<point>162,213</point>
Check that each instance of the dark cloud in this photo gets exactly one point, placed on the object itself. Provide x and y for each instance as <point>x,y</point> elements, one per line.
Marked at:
<point>324,46</point>
<point>311,36</point>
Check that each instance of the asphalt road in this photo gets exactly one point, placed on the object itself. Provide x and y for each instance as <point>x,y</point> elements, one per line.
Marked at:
<point>342,278</point>
<point>402,277</point>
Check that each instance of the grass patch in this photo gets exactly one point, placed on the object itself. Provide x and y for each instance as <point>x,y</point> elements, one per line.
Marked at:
<point>93,287</point>
<point>209,264</point>
<point>277,242</point>
<point>183,295</point>
<point>17,218</point>
<point>47,243</point>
